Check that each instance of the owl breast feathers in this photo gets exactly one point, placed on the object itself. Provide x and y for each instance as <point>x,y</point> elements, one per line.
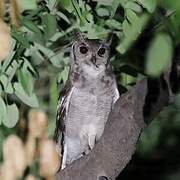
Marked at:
<point>88,97</point>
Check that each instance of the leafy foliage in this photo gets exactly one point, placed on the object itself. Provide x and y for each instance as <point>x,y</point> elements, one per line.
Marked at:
<point>46,26</point>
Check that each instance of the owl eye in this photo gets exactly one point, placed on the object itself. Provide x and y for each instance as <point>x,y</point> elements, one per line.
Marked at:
<point>101,51</point>
<point>83,49</point>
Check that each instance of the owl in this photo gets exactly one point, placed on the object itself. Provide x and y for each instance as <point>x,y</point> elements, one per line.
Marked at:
<point>88,97</point>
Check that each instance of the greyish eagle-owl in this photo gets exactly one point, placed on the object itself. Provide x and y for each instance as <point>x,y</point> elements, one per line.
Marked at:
<point>88,97</point>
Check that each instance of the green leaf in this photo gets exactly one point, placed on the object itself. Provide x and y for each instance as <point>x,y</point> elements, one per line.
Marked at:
<point>31,25</point>
<point>19,36</point>
<point>6,84</point>
<point>27,4</point>
<point>133,6</point>
<point>150,5</point>
<point>78,13</point>
<point>67,5</point>
<point>15,65</point>
<point>127,80</point>
<point>11,72</point>
<point>114,24</point>
<point>64,73</point>
<point>1,90</point>
<point>36,56</point>
<point>51,4</point>
<point>159,54</point>
<point>54,92</point>
<point>50,25</point>
<point>136,25</point>
<point>26,80</point>
<point>2,110</point>
<point>55,58</point>
<point>23,96</point>
<point>28,65</point>
<point>8,60</point>
<point>114,6</point>
<point>102,12</point>
<point>126,28</point>
<point>12,116</point>
<point>63,16</point>
<point>91,31</point>
<point>72,5</point>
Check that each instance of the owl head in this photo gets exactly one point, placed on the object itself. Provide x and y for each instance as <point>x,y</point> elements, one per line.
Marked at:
<point>91,52</point>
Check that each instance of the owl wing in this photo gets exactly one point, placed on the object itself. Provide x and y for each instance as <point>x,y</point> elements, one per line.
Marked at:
<point>116,95</point>
<point>62,111</point>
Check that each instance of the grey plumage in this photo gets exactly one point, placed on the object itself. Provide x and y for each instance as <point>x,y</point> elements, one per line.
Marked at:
<point>88,98</point>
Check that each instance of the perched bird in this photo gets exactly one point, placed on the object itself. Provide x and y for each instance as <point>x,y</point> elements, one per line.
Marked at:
<point>88,97</point>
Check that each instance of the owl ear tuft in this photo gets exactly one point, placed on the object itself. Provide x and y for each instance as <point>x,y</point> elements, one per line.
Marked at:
<point>79,36</point>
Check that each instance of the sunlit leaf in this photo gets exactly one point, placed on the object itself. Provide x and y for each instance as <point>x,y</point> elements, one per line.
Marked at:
<point>51,4</point>
<point>150,5</point>
<point>63,16</point>
<point>54,92</point>
<point>31,25</point>
<point>55,58</point>
<point>6,84</point>
<point>20,38</point>
<point>12,116</point>
<point>67,5</point>
<point>114,24</point>
<point>133,6</point>
<point>27,4</point>
<point>2,110</point>
<point>78,12</point>
<point>26,80</point>
<point>114,6</point>
<point>24,97</point>
<point>36,55</point>
<point>64,74</point>
<point>102,11</point>
<point>50,25</point>
<point>10,56</point>
<point>10,72</point>
<point>159,54</point>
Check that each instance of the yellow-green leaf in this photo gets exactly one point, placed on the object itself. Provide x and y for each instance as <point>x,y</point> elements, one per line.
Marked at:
<point>12,116</point>
<point>159,54</point>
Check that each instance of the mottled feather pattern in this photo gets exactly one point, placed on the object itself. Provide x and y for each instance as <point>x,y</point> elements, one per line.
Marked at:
<point>62,110</point>
<point>88,98</point>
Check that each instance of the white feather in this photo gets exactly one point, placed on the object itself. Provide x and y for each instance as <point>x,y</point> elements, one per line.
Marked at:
<point>116,96</point>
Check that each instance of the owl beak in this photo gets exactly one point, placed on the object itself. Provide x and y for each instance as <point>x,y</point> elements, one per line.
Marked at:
<point>93,60</point>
